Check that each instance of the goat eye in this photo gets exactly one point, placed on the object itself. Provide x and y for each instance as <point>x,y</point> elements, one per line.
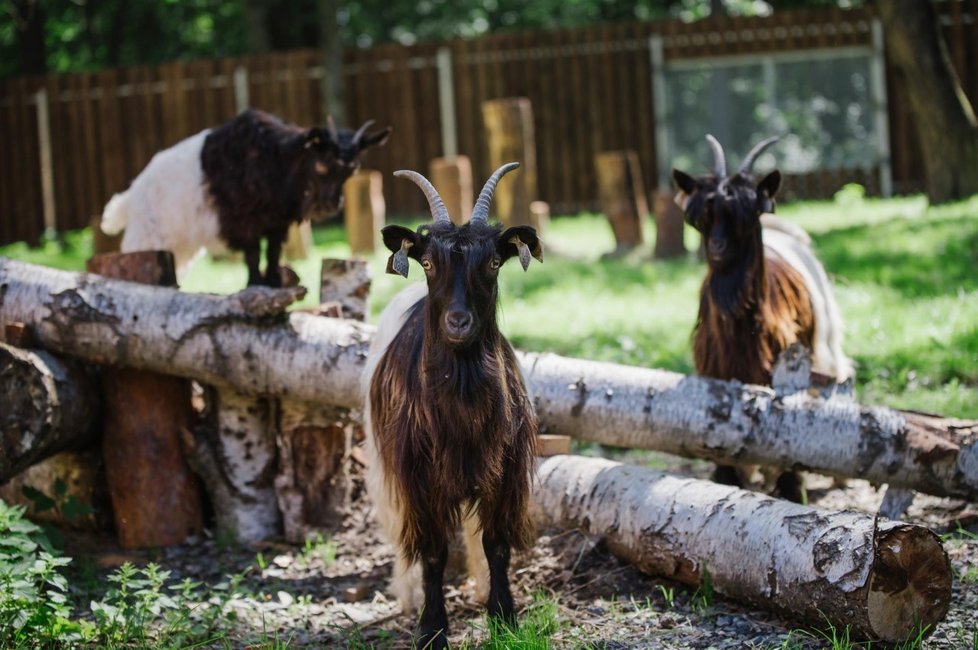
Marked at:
<point>426,265</point>
<point>494,264</point>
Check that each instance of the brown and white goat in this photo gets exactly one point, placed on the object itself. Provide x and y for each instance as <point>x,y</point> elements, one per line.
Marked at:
<point>764,289</point>
<point>231,186</point>
<point>450,429</point>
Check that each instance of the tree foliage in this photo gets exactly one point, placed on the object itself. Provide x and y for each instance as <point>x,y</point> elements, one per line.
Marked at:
<point>85,35</point>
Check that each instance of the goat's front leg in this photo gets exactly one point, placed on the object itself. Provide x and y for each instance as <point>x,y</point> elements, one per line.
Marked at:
<point>433,626</point>
<point>252,255</point>
<point>272,255</point>
<point>497,550</point>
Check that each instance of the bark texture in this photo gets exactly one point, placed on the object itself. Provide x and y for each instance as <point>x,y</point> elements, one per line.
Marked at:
<point>315,359</point>
<point>946,125</point>
<point>46,405</point>
<point>882,579</point>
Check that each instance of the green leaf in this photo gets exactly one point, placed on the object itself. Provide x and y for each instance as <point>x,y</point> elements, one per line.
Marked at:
<point>41,501</point>
<point>60,487</point>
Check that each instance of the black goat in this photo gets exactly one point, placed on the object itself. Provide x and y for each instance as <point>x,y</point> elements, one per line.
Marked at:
<point>229,187</point>
<point>450,429</point>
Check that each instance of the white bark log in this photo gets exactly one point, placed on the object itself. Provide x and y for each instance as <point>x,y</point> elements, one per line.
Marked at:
<point>813,565</point>
<point>315,359</point>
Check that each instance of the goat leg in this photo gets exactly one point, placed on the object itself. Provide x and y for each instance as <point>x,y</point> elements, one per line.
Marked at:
<point>252,255</point>
<point>433,625</point>
<point>272,255</point>
<point>500,605</point>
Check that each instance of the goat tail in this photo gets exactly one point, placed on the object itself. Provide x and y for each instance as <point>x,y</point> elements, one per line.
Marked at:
<point>115,217</point>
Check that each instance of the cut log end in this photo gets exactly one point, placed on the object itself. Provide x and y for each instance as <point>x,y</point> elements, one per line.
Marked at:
<point>910,584</point>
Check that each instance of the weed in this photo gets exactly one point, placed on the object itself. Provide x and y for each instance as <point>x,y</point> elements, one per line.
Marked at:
<point>669,594</point>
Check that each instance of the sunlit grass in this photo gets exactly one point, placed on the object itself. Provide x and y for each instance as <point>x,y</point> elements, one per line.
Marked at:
<point>906,278</point>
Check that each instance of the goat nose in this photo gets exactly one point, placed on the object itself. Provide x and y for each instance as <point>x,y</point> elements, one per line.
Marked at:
<point>717,245</point>
<point>458,321</point>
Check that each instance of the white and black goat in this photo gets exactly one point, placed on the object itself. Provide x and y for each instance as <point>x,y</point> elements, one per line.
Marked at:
<point>764,289</point>
<point>233,185</point>
<point>451,431</point>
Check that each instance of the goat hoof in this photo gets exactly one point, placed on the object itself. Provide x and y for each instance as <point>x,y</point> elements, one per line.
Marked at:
<point>435,640</point>
<point>789,486</point>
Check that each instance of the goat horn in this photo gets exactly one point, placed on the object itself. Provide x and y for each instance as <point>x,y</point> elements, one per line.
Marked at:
<point>438,209</point>
<point>719,161</point>
<point>481,210</point>
<point>745,167</point>
<point>361,131</point>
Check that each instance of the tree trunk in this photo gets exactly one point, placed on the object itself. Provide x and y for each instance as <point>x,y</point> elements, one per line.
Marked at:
<point>315,359</point>
<point>884,580</point>
<point>346,283</point>
<point>945,120</point>
<point>49,405</point>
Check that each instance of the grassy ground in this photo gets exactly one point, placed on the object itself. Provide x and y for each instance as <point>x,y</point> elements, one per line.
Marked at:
<point>906,279</point>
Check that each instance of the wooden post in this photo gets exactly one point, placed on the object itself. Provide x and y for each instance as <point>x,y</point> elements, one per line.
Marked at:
<point>452,177</point>
<point>102,243</point>
<point>622,196</point>
<point>364,211</point>
<point>155,497</point>
<point>299,241</point>
<point>313,482</point>
<point>669,227</point>
<point>510,134</point>
<point>540,216</point>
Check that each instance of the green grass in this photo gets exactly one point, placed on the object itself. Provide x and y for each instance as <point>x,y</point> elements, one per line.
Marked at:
<point>906,278</point>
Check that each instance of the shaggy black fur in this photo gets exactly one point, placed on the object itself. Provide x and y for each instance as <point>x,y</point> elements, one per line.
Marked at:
<point>264,174</point>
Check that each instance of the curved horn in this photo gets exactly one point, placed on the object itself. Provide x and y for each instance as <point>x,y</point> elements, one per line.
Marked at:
<point>361,131</point>
<point>745,167</point>
<point>719,161</point>
<point>481,210</point>
<point>438,210</point>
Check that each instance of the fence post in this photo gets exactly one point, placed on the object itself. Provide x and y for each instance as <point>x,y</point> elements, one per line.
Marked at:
<point>877,89</point>
<point>446,103</point>
<point>659,109</point>
<point>47,163</point>
<point>242,100</point>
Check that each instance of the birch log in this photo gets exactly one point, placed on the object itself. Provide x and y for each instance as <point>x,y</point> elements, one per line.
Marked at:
<point>48,405</point>
<point>316,359</point>
<point>884,580</point>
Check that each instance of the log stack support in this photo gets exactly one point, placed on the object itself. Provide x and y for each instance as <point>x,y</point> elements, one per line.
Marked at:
<point>156,499</point>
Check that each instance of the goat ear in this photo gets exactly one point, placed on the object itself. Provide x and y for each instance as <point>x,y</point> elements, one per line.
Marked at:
<point>403,243</point>
<point>766,190</point>
<point>317,138</point>
<point>375,139</point>
<point>686,185</point>
<point>519,241</point>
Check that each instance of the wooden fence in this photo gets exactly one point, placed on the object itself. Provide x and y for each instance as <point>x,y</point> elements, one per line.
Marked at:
<point>591,91</point>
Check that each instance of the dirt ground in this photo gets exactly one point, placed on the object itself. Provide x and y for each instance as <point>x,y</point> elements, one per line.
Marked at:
<point>313,599</point>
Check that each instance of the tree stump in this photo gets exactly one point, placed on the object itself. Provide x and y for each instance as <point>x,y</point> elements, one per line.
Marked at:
<point>510,134</point>
<point>452,177</point>
<point>669,227</point>
<point>102,243</point>
<point>364,210</point>
<point>621,193</point>
<point>346,282</point>
<point>49,405</point>
<point>155,496</point>
<point>540,216</point>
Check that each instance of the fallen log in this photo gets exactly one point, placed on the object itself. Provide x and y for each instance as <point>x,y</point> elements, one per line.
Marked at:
<point>48,405</point>
<point>316,359</point>
<point>885,580</point>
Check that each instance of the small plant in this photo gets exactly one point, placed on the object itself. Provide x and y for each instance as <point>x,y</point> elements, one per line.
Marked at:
<point>537,625</point>
<point>67,506</point>
<point>669,594</point>
<point>34,605</point>
<point>704,595</point>
<point>260,559</point>
<point>318,548</point>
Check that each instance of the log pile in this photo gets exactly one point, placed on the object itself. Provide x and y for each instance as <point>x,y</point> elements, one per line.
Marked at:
<point>879,578</point>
